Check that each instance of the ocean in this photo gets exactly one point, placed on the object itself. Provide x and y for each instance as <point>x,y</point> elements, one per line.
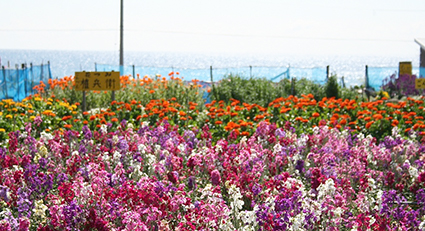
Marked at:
<point>66,63</point>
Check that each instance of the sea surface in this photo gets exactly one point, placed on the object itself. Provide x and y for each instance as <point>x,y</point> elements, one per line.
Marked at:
<point>66,63</point>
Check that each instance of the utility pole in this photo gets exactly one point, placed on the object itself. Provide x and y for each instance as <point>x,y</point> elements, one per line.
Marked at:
<point>121,44</point>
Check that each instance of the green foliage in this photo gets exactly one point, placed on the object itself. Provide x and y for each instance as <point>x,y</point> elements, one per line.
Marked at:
<point>249,90</point>
<point>262,91</point>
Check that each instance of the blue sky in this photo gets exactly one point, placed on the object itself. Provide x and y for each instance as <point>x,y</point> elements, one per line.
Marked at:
<point>305,27</point>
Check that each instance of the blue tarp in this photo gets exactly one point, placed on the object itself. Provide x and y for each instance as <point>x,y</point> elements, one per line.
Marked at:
<point>17,84</point>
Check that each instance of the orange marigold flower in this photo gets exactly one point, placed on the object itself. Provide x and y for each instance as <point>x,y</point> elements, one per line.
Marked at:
<point>183,118</point>
<point>114,119</point>
<point>93,117</point>
<point>378,116</point>
<point>218,122</point>
<point>85,122</point>
<point>67,126</point>
<point>245,133</point>
<point>369,124</point>
<point>367,118</point>
<point>315,114</point>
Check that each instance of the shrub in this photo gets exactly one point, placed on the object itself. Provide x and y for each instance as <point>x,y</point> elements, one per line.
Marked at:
<point>332,87</point>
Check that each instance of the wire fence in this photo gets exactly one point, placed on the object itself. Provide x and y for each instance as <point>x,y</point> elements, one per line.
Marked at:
<point>276,74</point>
<point>18,83</point>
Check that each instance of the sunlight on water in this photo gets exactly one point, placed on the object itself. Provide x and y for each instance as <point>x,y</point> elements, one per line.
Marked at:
<point>65,63</point>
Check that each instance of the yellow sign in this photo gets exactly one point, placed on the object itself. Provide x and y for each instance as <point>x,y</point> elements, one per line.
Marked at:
<point>97,81</point>
<point>405,68</point>
<point>420,83</point>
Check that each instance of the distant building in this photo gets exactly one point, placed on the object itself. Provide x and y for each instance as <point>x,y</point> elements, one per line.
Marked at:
<point>421,42</point>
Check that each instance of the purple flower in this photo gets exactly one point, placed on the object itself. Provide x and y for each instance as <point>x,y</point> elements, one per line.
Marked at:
<point>191,183</point>
<point>86,132</point>
<point>300,165</point>
<point>122,144</point>
<point>256,189</point>
<point>215,177</point>
<point>3,193</point>
<point>72,214</point>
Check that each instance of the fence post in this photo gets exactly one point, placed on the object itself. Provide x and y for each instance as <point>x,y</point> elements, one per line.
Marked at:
<point>212,81</point>
<point>24,68</point>
<point>84,101</point>
<point>366,77</point>
<point>32,79</point>
<point>134,72</point>
<point>293,86</point>
<point>250,71</point>
<point>5,82</point>
<point>18,78</point>
<point>48,67</point>
<point>327,73</point>
<point>95,66</point>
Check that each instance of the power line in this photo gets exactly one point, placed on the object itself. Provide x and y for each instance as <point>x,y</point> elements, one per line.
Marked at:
<point>210,34</point>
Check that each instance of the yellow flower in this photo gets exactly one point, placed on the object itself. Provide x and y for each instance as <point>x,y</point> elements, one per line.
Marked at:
<point>2,130</point>
<point>49,103</point>
<point>37,99</point>
<point>32,118</point>
<point>9,116</point>
<point>63,104</point>
<point>47,112</point>
<point>1,113</point>
<point>14,109</point>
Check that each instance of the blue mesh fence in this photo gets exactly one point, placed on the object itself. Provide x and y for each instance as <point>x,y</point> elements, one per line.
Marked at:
<point>276,74</point>
<point>17,84</point>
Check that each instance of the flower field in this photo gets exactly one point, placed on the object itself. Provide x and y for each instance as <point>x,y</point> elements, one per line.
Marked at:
<point>159,158</point>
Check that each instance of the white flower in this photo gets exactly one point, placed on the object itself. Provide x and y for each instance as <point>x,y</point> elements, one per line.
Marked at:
<point>328,188</point>
<point>46,136</point>
<point>182,147</point>
<point>142,148</point>
<point>277,148</point>
<point>105,157</point>
<point>103,129</point>
<point>40,209</point>
<point>150,159</point>
<point>413,172</point>
<point>338,211</point>
<point>115,139</point>
<point>117,156</point>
